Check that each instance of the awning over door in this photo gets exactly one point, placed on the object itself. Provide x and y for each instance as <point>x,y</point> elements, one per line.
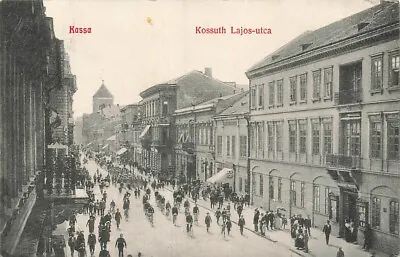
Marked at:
<point>121,151</point>
<point>144,132</point>
<point>224,176</point>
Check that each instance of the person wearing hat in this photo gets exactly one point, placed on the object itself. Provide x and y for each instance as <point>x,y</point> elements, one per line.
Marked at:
<point>241,224</point>
<point>121,244</point>
<point>208,221</point>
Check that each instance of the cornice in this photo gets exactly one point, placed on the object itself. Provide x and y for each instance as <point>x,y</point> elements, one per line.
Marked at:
<point>154,89</point>
<point>365,39</point>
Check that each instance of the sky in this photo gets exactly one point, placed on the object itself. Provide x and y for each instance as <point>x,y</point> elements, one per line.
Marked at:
<point>135,44</point>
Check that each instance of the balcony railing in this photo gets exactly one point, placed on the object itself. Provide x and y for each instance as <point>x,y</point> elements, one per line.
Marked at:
<point>341,161</point>
<point>348,96</point>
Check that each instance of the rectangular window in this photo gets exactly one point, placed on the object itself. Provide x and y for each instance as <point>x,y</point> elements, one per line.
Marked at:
<point>315,137</point>
<point>271,188</point>
<point>292,137</point>
<point>243,146</point>
<point>228,146</point>
<point>394,74</point>
<point>280,189</point>
<point>303,136</point>
<point>261,96</point>
<point>303,87</point>
<point>376,73</point>
<point>261,140</point>
<point>394,217</point>
<point>317,84</point>
<point>352,137</point>
<point>393,139</point>
<point>327,191</point>
<point>293,192</point>
<point>253,97</point>
<point>327,136</point>
<point>317,206</point>
<point>261,185</point>
<point>219,145</point>
<point>233,146</point>
<point>328,82</point>
<point>375,139</point>
<point>252,140</point>
<point>279,139</point>
<point>271,88</point>
<point>376,212</point>
<point>293,89</point>
<point>302,194</point>
<point>279,92</point>
<point>271,136</point>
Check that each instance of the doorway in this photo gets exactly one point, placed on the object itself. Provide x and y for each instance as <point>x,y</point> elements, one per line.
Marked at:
<point>350,212</point>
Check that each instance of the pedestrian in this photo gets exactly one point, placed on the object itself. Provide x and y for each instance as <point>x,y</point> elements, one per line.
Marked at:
<point>340,252</point>
<point>228,225</point>
<point>218,215</point>
<point>307,225</point>
<point>255,219</point>
<point>121,244</point>
<point>91,242</point>
<point>223,228</point>
<point>72,244</point>
<point>327,230</point>
<point>241,223</point>
<point>208,221</point>
<point>306,237</point>
<point>367,237</point>
<point>118,217</point>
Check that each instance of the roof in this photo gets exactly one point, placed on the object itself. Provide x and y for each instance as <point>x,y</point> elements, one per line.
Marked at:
<point>240,107</point>
<point>103,92</point>
<point>380,15</point>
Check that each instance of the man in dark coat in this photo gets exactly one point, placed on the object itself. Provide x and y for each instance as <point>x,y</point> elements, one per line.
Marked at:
<point>255,219</point>
<point>327,230</point>
<point>121,244</point>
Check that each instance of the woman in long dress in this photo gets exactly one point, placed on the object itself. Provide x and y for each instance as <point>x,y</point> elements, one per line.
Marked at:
<point>278,220</point>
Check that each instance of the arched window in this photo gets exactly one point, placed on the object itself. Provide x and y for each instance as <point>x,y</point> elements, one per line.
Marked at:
<point>394,217</point>
<point>376,212</point>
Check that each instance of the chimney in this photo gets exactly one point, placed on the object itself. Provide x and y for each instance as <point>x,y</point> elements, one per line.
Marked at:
<point>208,72</point>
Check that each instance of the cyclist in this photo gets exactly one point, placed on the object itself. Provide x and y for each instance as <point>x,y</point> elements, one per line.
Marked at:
<point>167,208</point>
<point>150,213</point>
<point>186,204</point>
<point>189,223</point>
<point>174,214</point>
<point>196,213</point>
<point>187,211</point>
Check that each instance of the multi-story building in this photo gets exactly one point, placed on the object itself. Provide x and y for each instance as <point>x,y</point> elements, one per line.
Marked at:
<point>325,125</point>
<point>231,144</point>
<point>32,62</point>
<point>155,130</point>
<point>194,148</point>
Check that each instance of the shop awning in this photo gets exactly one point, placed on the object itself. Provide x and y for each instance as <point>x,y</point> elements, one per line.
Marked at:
<point>112,138</point>
<point>224,176</point>
<point>144,132</point>
<point>104,147</point>
<point>121,151</point>
<point>89,144</point>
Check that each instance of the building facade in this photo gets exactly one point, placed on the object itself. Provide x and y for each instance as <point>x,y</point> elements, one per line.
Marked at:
<point>325,125</point>
<point>231,142</point>
<point>195,145</point>
<point>156,133</point>
<point>32,62</point>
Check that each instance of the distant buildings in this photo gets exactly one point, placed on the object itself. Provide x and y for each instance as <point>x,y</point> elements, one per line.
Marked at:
<point>325,125</point>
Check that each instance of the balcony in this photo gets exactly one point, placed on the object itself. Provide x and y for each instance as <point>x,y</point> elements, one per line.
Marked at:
<point>188,147</point>
<point>350,96</point>
<point>343,162</point>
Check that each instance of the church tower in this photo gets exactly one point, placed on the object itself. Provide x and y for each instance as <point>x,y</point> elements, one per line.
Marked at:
<point>102,97</point>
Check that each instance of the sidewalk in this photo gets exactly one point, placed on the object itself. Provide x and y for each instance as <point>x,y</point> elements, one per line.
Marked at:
<point>316,244</point>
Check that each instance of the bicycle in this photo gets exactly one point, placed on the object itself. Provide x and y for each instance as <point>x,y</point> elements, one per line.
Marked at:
<point>174,218</point>
<point>189,228</point>
<point>151,219</point>
<point>126,214</point>
<point>167,212</point>
<point>196,218</point>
